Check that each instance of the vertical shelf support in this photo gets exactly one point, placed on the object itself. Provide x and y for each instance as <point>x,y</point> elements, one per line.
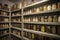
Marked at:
<point>9,23</point>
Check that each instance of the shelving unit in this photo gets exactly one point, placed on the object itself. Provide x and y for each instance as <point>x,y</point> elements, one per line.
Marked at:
<point>4,22</point>
<point>39,19</point>
<point>41,13</point>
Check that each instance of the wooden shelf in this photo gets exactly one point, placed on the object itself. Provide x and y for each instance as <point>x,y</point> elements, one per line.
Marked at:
<point>19,36</point>
<point>3,22</point>
<point>4,28</point>
<point>16,35</point>
<point>16,28</point>
<point>44,12</point>
<point>45,23</point>
<point>26,38</point>
<point>34,4</point>
<point>16,16</point>
<point>16,22</point>
<point>43,33</point>
<point>16,10</point>
<point>4,16</point>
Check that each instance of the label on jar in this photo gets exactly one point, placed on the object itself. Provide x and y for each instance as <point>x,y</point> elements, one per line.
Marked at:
<point>54,6</point>
<point>50,19</point>
<point>43,28</point>
<point>49,7</point>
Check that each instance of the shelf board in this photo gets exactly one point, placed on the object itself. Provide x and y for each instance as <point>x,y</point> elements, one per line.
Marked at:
<point>4,16</point>
<point>4,22</point>
<point>44,12</point>
<point>3,28</point>
<point>16,10</point>
<point>16,16</point>
<point>1,36</point>
<point>46,23</point>
<point>4,10</point>
<point>43,33</point>
<point>16,35</point>
<point>34,4</point>
<point>16,22</point>
<point>26,38</point>
<point>16,28</point>
<point>19,36</point>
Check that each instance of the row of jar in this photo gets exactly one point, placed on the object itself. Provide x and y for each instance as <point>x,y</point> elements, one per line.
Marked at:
<point>23,4</point>
<point>2,32</point>
<point>32,36</point>
<point>16,25</point>
<point>4,38</point>
<point>4,6</point>
<point>16,32</point>
<point>43,28</point>
<point>16,19</point>
<point>43,8</point>
<point>4,19</point>
<point>4,13</point>
<point>4,25</point>
<point>54,18</point>
<point>13,19</point>
<point>16,14</point>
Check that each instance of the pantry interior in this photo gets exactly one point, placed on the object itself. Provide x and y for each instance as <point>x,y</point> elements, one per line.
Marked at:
<point>30,20</point>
